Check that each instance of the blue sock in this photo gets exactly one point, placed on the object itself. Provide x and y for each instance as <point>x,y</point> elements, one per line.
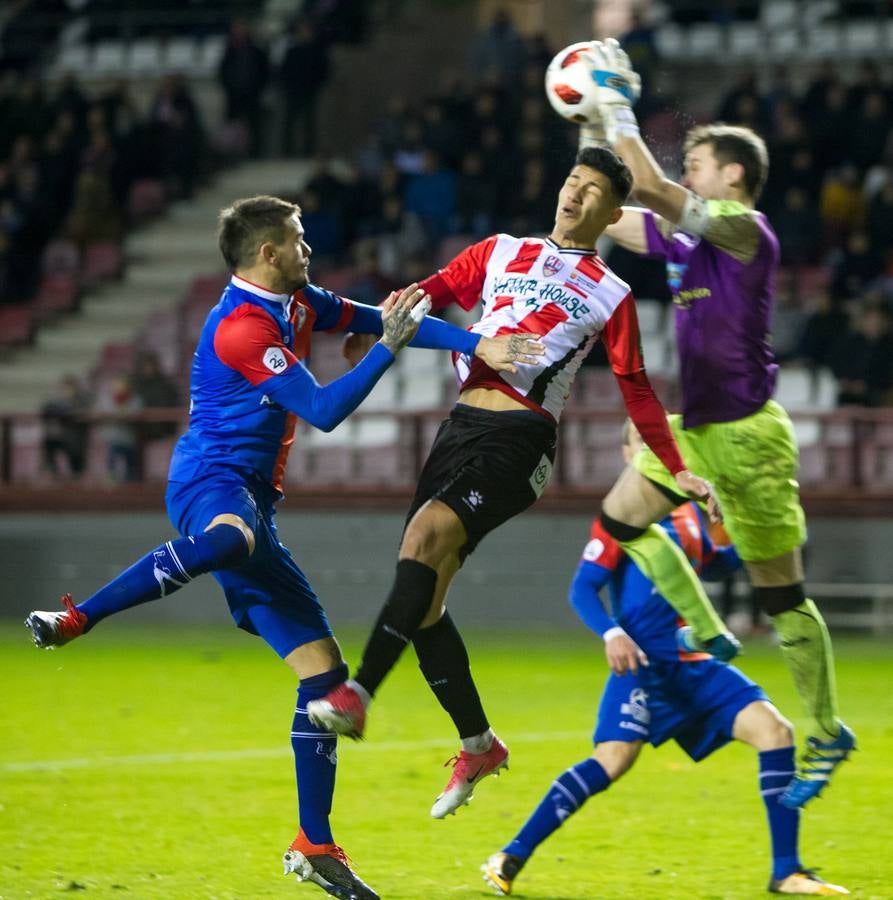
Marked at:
<point>166,569</point>
<point>776,771</point>
<point>316,758</point>
<point>568,793</point>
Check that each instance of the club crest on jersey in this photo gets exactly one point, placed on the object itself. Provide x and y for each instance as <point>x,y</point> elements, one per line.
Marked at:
<point>300,317</point>
<point>675,274</point>
<point>552,265</point>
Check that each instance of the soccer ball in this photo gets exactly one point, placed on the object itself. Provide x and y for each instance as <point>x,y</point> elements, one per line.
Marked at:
<point>570,85</point>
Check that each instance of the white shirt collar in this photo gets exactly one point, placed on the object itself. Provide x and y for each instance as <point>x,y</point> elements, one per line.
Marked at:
<point>252,288</point>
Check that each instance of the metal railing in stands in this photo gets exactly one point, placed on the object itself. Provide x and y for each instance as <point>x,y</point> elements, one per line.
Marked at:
<point>847,450</point>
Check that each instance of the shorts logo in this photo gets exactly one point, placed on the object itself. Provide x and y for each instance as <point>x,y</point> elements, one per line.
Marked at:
<point>274,360</point>
<point>593,550</point>
<point>473,500</point>
<point>552,265</point>
<point>637,707</point>
<point>541,475</point>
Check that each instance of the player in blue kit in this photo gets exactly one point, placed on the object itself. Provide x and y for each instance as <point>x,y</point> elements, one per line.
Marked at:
<point>656,692</point>
<point>249,384</point>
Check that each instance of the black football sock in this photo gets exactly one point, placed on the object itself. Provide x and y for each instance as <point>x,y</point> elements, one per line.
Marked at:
<point>407,604</point>
<point>444,662</point>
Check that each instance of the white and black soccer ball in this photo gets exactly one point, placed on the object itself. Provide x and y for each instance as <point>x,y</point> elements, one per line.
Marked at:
<point>579,78</point>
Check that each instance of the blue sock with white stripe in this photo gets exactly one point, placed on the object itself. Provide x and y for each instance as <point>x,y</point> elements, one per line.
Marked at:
<point>316,758</point>
<point>568,793</point>
<point>166,569</point>
<point>776,771</point>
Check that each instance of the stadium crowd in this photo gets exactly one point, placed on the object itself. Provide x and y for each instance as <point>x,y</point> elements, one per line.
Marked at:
<point>476,157</point>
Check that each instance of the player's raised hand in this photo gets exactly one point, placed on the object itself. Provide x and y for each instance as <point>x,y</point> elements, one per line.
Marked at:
<point>619,86</point>
<point>624,654</point>
<point>701,490</point>
<point>501,353</point>
<point>401,315</point>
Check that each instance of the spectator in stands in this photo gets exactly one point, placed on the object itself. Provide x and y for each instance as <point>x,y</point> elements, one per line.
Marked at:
<point>477,201</point>
<point>178,128</point>
<point>64,429</point>
<point>869,131</point>
<point>842,204</point>
<point>302,75</point>
<point>744,105</point>
<point>431,195</point>
<point>95,215</point>
<point>243,73</point>
<point>830,127</point>
<point>854,266</point>
<point>798,227</point>
<point>154,390</point>
<point>401,239</point>
<point>822,330</point>
<point>862,359</point>
<point>369,284</point>
<point>323,219</point>
<point>118,402</point>
<point>497,54</point>
<point>879,224</point>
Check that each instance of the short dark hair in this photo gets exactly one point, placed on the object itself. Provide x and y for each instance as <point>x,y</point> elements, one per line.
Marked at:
<point>612,166</point>
<point>248,223</point>
<point>735,144</point>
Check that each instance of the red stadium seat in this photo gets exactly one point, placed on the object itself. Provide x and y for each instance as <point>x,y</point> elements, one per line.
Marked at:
<point>16,324</point>
<point>57,293</point>
<point>146,199</point>
<point>60,256</point>
<point>103,260</point>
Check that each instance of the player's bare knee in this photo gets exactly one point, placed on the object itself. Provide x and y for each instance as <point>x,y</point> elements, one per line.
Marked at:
<point>616,757</point>
<point>315,658</point>
<point>762,726</point>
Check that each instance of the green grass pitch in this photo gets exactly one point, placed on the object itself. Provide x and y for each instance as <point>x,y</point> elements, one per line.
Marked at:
<point>155,763</point>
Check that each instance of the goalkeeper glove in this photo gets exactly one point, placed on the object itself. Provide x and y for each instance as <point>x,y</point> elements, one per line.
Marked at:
<point>619,86</point>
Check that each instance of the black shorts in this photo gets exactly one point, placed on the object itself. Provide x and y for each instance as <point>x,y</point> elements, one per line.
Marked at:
<point>486,467</point>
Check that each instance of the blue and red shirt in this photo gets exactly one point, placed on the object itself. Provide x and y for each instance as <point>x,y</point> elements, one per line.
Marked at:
<point>635,604</point>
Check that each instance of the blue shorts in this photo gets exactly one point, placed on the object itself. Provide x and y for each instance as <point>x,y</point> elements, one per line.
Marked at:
<point>694,702</point>
<point>268,595</point>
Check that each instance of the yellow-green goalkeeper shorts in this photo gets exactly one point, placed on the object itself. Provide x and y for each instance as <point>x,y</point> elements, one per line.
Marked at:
<point>752,463</point>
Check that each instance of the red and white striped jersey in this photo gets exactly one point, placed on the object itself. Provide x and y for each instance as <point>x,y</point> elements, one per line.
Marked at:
<point>570,297</point>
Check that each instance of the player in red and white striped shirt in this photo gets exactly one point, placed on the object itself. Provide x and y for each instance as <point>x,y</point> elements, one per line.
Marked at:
<point>493,456</point>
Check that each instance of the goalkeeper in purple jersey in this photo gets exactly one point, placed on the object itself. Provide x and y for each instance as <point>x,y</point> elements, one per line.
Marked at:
<point>657,692</point>
<point>722,259</point>
<point>249,384</point>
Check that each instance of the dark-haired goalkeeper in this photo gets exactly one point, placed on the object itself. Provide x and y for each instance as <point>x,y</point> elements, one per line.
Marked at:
<point>722,260</point>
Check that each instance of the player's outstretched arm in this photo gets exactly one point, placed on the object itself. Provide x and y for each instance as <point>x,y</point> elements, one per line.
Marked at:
<point>327,406</point>
<point>619,88</point>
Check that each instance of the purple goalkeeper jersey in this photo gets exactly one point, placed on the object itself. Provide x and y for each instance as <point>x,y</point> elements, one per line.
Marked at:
<point>723,284</point>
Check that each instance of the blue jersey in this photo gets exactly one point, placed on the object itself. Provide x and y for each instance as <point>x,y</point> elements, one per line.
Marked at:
<point>250,383</point>
<point>635,604</point>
